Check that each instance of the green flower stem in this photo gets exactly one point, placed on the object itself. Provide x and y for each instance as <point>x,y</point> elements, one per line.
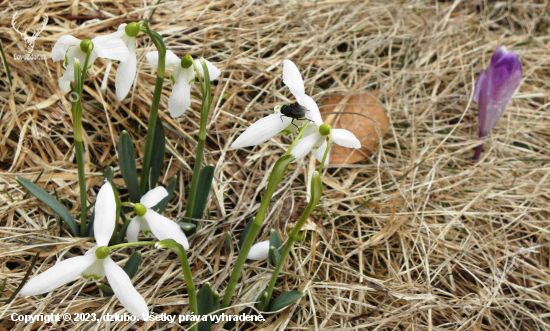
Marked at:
<point>78,145</point>
<point>139,243</point>
<point>316,192</point>
<point>6,65</point>
<point>188,275</point>
<point>205,110</point>
<point>326,151</point>
<point>159,44</point>
<point>279,170</point>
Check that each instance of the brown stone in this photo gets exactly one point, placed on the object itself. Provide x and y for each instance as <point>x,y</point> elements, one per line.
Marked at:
<point>368,122</point>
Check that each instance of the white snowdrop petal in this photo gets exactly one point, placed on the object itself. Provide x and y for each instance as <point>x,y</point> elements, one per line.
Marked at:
<point>60,274</point>
<point>62,45</point>
<point>124,290</point>
<point>320,152</point>
<point>259,251</point>
<point>164,228</point>
<point>126,72</point>
<point>133,230</point>
<point>305,145</point>
<point>262,130</point>
<point>154,196</point>
<point>105,215</point>
<point>293,80</point>
<point>345,138</point>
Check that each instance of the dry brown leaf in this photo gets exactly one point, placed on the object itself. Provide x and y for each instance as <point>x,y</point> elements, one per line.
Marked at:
<point>368,122</point>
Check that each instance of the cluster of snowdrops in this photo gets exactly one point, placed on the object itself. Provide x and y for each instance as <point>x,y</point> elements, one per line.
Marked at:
<point>494,89</point>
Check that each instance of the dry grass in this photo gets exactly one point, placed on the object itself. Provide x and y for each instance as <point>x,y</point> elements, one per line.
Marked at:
<point>436,226</point>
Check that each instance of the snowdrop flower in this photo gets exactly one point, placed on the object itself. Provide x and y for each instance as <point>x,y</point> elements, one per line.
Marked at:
<point>259,251</point>
<point>182,78</point>
<point>95,264</point>
<point>152,223</point>
<point>494,89</point>
<point>102,46</point>
<point>271,125</point>
<point>126,72</point>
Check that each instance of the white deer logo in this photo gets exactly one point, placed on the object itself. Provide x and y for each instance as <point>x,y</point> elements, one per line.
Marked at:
<point>29,41</point>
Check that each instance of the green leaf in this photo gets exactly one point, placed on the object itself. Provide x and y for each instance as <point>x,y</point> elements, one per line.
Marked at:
<point>6,279</point>
<point>205,183</point>
<point>262,300</point>
<point>157,154</point>
<point>90,225</point>
<point>205,305</point>
<point>275,240</point>
<point>127,163</point>
<point>187,227</point>
<point>132,265</point>
<point>123,229</point>
<point>164,202</point>
<point>228,241</point>
<point>216,300</point>
<point>274,256</point>
<point>284,300</point>
<point>245,233</point>
<point>51,202</point>
<point>106,289</point>
<point>109,173</point>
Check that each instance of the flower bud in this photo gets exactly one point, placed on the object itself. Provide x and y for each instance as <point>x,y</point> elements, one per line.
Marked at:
<point>324,129</point>
<point>132,29</point>
<point>140,209</point>
<point>186,61</point>
<point>86,45</point>
<point>102,252</point>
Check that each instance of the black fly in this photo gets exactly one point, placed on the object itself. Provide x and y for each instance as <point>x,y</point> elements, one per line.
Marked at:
<point>294,111</point>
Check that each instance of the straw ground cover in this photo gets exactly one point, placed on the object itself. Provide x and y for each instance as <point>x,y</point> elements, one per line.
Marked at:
<point>413,237</point>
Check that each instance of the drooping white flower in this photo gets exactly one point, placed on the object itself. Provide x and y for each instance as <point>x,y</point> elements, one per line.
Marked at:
<point>95,264</point>
<point>259,251</point>
<point>103,47</point>
<point>274,124</point>
<point>152,223</point>
<point>126,72</point>
<point>182,78</point>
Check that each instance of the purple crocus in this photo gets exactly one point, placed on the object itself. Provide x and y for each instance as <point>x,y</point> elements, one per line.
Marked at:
<point>494,90</point>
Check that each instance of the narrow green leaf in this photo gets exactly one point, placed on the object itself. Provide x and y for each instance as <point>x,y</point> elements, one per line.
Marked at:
<point>106,289</point>
<point>36,181</point>
<point>205,183</point>
<point>216,300</point>
<point>262,300</point>
<point>187,227</point>
<point>109,173</point>
<point>245,233</point>
<point>4,287</point>
<point>132,265</point>
<point>284,300</point>
<point>90,225</point>
<point>157,154</point>
<point>127,163</point>
<point>51,202</point>
<point>123,229</point>
<point>164,202</point>
<point>274,256</point>
<point>6,64</point>
<point>228,241</point>
<point>27,274</point>
<point>275,240</point>
<point>205,305</point>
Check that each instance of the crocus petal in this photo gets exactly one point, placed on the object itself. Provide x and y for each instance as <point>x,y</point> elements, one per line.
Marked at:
<point>259,251</point>
<point>60,274</point>
<point>124,290</point>
<point>180,98</point>
<point>126,72</point>
<point>293,80</point>
<point>112,49</point>
<point>498,54</point>
<point>133,230</point>
<point>305,145</point>
<point>164,228</point>
<point>503,79</point>
<point>171,59</point>
<point>213,71</point>
<point>151,198</point>
<point>319,153</point>
<point>105,215</point>
<point>262,130</point>
<point>345,138</point>
<point>480,83</point>
<point>62,45</point>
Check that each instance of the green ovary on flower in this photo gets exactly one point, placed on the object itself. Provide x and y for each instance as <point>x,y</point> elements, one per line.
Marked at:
<point>132,29</point>
<point>140,209</point>
<point>102,252</point>
<point>324,129</point>
<point>186,61</point>
<point>86,45</point>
